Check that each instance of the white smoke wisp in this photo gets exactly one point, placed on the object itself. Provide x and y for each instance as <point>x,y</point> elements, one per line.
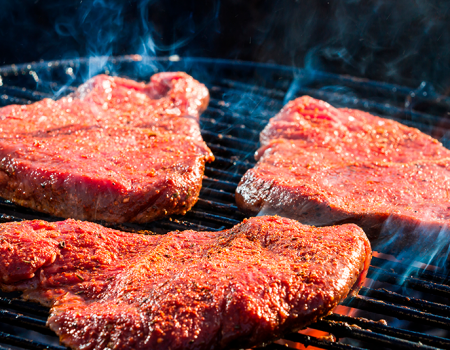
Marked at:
<point>424,246</point>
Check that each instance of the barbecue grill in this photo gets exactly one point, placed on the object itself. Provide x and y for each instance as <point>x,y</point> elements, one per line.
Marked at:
<point>404,304</point>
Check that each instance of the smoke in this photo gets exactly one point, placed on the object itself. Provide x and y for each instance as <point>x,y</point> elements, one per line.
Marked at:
<point>403,42</point>
<point>423,243</point>
<point>100,29</point>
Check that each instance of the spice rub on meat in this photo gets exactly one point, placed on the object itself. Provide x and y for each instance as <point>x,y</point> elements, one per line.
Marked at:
<point>322,165</point>
<point>114,150</point>
<point>183,290</point>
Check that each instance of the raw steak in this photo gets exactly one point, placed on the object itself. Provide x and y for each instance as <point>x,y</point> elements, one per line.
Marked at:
<point>183,290</point>
<point>322,165</point>
<point>115,150</point>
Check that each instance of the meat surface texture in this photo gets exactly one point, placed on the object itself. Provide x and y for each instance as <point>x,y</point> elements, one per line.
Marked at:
<point>183,290</point>
<point>114,150</point>
<point>322,165</point>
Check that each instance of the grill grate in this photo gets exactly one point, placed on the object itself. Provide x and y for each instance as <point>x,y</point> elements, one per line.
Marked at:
<point>402,306</point>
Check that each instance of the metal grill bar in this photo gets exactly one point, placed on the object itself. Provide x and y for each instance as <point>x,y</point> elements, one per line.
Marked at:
<point>217,218</point>
<point>395,332</point>
<point>224,208</point>
<point>232,130</point>
<point>422,305</point>
<point>414,283</point>
<point>3,348</point>
<point>231,125</point>
<point>218,194</point>
<point>225,175</point>
<point>229,141</point>
<point>324,344</point>
<point>401,268</point>
<point>375,339</point>
<point>428,123</point>
<point>221,163</point>
<point>8,100</point>
<point>219,150</point>
<point>391,309</point>
<point>27,344</point>
<point>229,117</point>
<point>31,323</point>
<point>23,93</point>
<point>7,302</point>
<point>222,184</point>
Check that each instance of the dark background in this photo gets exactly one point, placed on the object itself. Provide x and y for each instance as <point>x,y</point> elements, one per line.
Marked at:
<point>398,41</point>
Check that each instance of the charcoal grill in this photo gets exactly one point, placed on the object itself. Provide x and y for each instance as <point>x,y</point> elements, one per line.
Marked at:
<point>404,305</point>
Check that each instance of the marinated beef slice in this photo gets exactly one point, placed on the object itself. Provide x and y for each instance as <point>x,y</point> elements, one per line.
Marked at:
<point>183,290</point>
<point>115,150</point>
<point>322,165</point>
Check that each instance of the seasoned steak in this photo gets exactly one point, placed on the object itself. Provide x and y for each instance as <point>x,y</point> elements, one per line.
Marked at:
<point>115,150</point>
<point>183,290</point>
<point>322,165</point>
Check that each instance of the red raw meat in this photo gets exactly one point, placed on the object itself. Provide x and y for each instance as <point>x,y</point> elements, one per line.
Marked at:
<point>184,290</point>
<point>115,150</point>
<point>322,166</point>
